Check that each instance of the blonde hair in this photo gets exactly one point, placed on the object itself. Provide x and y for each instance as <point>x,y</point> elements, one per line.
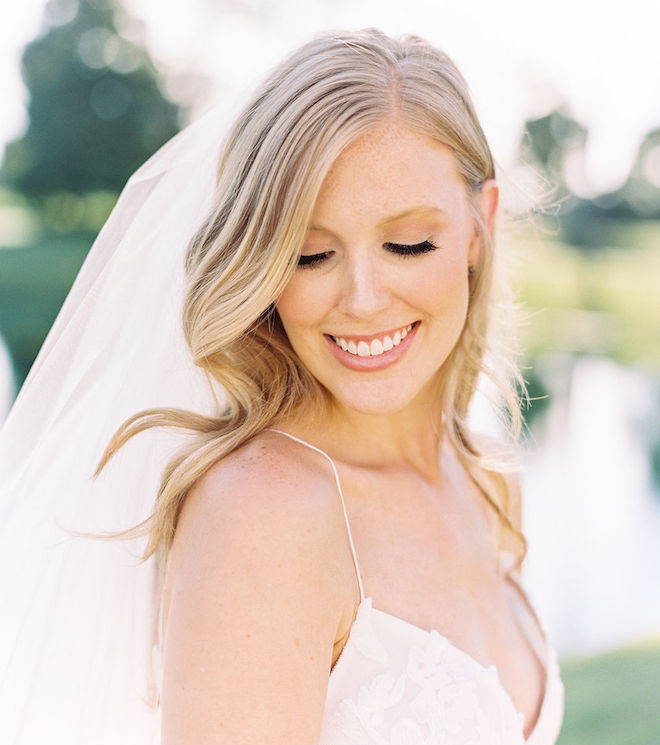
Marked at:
<point>313,105</point>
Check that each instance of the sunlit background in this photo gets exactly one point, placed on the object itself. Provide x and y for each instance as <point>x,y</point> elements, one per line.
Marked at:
<point>569,95</point>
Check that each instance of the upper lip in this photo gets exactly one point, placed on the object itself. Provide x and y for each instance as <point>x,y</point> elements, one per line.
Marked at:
<point>370,337</point>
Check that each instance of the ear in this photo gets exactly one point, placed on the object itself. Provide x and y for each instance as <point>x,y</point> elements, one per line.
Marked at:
<point>486,202</point>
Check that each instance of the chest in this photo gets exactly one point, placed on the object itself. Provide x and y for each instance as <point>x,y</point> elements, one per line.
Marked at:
<point>425,550</point>
<point>429,556</point>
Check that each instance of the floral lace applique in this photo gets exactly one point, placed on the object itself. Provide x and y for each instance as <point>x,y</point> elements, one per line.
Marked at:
<point>438,699</point>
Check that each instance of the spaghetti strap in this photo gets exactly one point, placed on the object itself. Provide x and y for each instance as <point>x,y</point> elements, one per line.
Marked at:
<point>341,496</point>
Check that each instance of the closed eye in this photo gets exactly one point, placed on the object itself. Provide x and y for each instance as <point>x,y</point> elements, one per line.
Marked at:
<point>312,259</point>
<point>414,249</point>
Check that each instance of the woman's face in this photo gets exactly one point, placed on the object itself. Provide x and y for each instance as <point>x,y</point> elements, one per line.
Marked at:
<point>381,293</point>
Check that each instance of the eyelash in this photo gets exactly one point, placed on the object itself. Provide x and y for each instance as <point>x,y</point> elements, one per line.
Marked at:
<point>403,249</point>
<point>400,249</point>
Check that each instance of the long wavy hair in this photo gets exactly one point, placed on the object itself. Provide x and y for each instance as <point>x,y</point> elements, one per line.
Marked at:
<point>312,106</point>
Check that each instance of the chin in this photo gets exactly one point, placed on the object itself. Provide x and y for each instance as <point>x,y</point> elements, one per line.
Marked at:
<point>374,400</point>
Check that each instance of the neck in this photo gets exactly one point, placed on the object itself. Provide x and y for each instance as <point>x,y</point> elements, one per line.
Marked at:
<point>409,438</point>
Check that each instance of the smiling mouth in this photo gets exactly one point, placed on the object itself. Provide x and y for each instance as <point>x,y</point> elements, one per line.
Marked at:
<point>376,346</point>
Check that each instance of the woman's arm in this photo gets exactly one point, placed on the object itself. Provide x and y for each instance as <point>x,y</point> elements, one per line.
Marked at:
<point>255,599</point>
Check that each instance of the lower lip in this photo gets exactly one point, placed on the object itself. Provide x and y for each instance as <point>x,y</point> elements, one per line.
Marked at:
<point>378,361</point>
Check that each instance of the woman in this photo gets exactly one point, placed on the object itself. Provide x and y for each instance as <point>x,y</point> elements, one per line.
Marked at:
<point>331,536</point>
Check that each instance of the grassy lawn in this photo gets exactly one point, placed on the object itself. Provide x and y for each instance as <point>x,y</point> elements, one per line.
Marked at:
<point>604,302</point>
<point>34,280</point>
<point>614,698</point>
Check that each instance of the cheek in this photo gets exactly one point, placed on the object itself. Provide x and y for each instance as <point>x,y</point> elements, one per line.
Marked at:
<point>303,302</point>
<point>443,293</point>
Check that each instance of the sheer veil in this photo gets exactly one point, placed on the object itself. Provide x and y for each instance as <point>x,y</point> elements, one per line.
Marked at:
<point>78,625</point>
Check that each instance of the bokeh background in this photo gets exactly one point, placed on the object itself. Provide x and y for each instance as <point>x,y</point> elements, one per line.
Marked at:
<point>569,95</point>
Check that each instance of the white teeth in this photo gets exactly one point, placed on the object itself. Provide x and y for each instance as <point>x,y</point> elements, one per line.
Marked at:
<point>376,347</point>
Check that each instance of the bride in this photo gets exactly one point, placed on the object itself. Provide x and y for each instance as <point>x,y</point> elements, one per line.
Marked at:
<point>316,547</point>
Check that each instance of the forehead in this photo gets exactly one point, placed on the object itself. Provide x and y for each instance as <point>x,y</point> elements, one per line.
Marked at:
<point>390,170</point>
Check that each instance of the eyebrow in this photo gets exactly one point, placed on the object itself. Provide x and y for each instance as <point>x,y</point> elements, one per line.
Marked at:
<point>412,212</point>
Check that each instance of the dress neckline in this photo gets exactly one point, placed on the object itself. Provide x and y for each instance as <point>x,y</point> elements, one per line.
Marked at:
<point>366,606</point>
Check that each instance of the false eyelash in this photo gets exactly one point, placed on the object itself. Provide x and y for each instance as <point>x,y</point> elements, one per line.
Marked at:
<point>404,249</point>
<point>311,259</point>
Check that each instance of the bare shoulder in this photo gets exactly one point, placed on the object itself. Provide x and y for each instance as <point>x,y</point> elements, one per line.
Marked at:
<point>269,480</point>
<point>272,495</point>
<point>255,595</point>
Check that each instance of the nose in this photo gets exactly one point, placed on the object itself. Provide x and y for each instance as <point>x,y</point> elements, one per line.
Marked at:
<point>366,287</point>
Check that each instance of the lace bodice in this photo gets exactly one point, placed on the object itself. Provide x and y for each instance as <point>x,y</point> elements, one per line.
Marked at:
<point>397,684</point>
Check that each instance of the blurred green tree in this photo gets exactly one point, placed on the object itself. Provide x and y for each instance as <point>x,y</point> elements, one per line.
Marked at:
<point>96,111</point>
<point>641,192</point>
<point>554,145</point>
<point>548,142</point>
